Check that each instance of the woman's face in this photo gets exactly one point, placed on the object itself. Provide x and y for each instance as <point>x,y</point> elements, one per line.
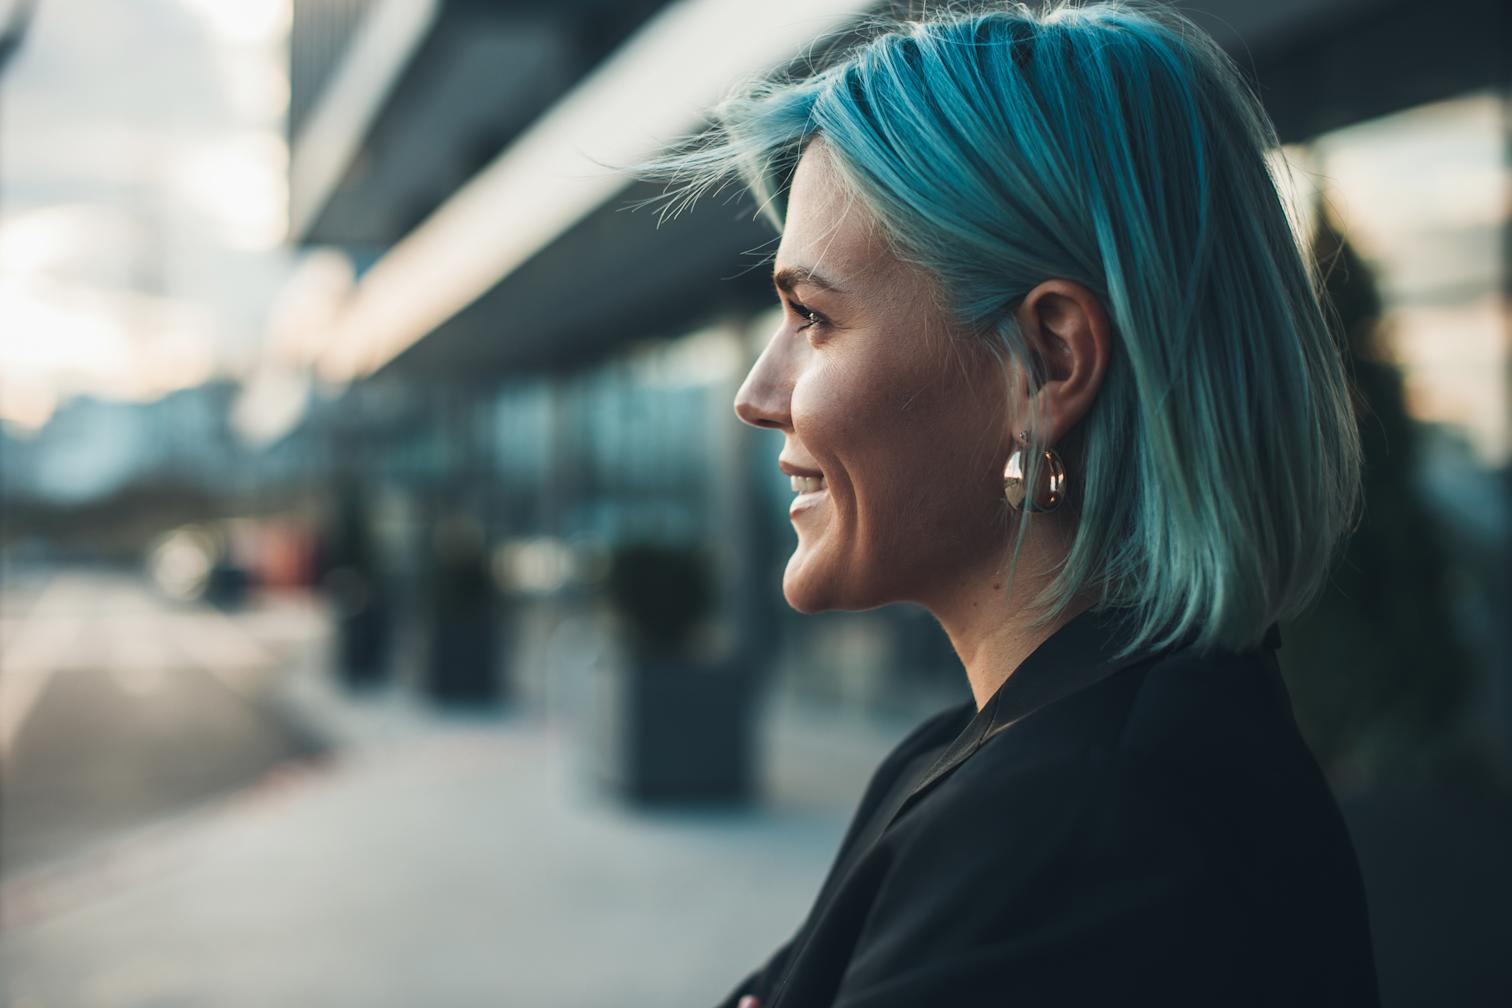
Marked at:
<point>898,441</point>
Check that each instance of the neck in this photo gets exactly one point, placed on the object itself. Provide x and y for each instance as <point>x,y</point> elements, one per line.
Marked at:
<point>989,621</point>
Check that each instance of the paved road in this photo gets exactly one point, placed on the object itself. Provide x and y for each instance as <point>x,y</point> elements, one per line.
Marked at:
<point>119,707</point>
<point>447,860</point>
<point>167,844</point>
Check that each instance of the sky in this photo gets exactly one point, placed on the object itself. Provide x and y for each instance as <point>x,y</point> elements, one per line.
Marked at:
<point>142,197</point>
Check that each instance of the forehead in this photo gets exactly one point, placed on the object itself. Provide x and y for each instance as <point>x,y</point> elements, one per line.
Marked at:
<point>827,230</point>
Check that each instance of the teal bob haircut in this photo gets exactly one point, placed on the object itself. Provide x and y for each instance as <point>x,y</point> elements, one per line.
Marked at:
<point>1117,146</point>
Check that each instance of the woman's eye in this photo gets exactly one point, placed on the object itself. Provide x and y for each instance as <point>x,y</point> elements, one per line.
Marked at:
<point>810,317</point>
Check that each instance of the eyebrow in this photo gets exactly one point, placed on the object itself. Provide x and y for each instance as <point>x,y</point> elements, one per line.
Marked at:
<point>789,277</point>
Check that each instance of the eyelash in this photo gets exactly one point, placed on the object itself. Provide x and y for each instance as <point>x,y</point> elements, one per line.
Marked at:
<point>811,318</point>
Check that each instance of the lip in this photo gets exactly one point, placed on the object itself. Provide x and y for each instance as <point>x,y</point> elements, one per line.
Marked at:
<point>797,470</point>
<point>807,502</point>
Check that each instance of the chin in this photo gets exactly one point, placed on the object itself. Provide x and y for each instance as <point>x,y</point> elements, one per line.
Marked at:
<point>801,598</point>
<point>797,604</point>
<point>810,590</point>
<point>804,592</point>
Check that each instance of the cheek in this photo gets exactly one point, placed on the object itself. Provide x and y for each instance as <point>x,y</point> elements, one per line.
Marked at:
<point>891,439</point>
<point>846,418</point>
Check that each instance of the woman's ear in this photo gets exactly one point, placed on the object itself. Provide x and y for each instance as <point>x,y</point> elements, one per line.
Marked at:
<point>1067,327</point>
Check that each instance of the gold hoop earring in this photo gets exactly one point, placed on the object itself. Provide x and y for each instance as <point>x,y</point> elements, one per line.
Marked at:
<point>1015,486</point>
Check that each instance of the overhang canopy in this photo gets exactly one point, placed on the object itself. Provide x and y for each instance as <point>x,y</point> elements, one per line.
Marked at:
<point>535,264</point>
<point>423,95</point>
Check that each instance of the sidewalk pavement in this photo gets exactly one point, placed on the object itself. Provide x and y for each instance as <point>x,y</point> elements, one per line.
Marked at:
<point>441,861</point>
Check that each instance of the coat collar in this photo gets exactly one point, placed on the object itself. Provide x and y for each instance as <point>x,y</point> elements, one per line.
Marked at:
<point>1081,653</point>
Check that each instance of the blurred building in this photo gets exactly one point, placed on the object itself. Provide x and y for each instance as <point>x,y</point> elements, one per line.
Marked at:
<point>103,476</point>
<point>515,344</point>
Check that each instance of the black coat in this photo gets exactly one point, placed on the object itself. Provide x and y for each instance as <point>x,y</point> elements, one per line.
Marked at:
<point>1145,831</point>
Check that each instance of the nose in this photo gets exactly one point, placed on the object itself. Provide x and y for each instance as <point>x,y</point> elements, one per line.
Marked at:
<point>764,396</point>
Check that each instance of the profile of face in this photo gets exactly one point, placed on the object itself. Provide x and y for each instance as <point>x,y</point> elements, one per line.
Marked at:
<point>896,440</point>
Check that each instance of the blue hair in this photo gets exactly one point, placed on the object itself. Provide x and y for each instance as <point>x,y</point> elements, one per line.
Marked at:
<point>1118,146</point>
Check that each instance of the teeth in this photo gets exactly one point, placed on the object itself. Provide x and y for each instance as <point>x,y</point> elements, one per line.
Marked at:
<point>807,484</point>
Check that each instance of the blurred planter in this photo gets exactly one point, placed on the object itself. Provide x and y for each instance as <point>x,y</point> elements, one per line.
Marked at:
<point>461,659</point>
<point>462,628</point>
<point>361,625</point>
<point>227,584</point>
<point>674,732</point>
<point>349,572</point>
<point>671,726</point>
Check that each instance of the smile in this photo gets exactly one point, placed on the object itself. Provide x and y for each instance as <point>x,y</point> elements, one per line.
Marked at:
<point>807,484</point>
<point>811,492</point>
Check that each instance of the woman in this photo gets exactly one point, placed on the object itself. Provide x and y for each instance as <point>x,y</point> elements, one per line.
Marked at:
<point>1052,366</point>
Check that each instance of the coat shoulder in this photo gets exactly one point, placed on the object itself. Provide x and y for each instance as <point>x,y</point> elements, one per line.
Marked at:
<point>1199,751</point>
<point>1173,804</point>
<point>1220,700</point>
